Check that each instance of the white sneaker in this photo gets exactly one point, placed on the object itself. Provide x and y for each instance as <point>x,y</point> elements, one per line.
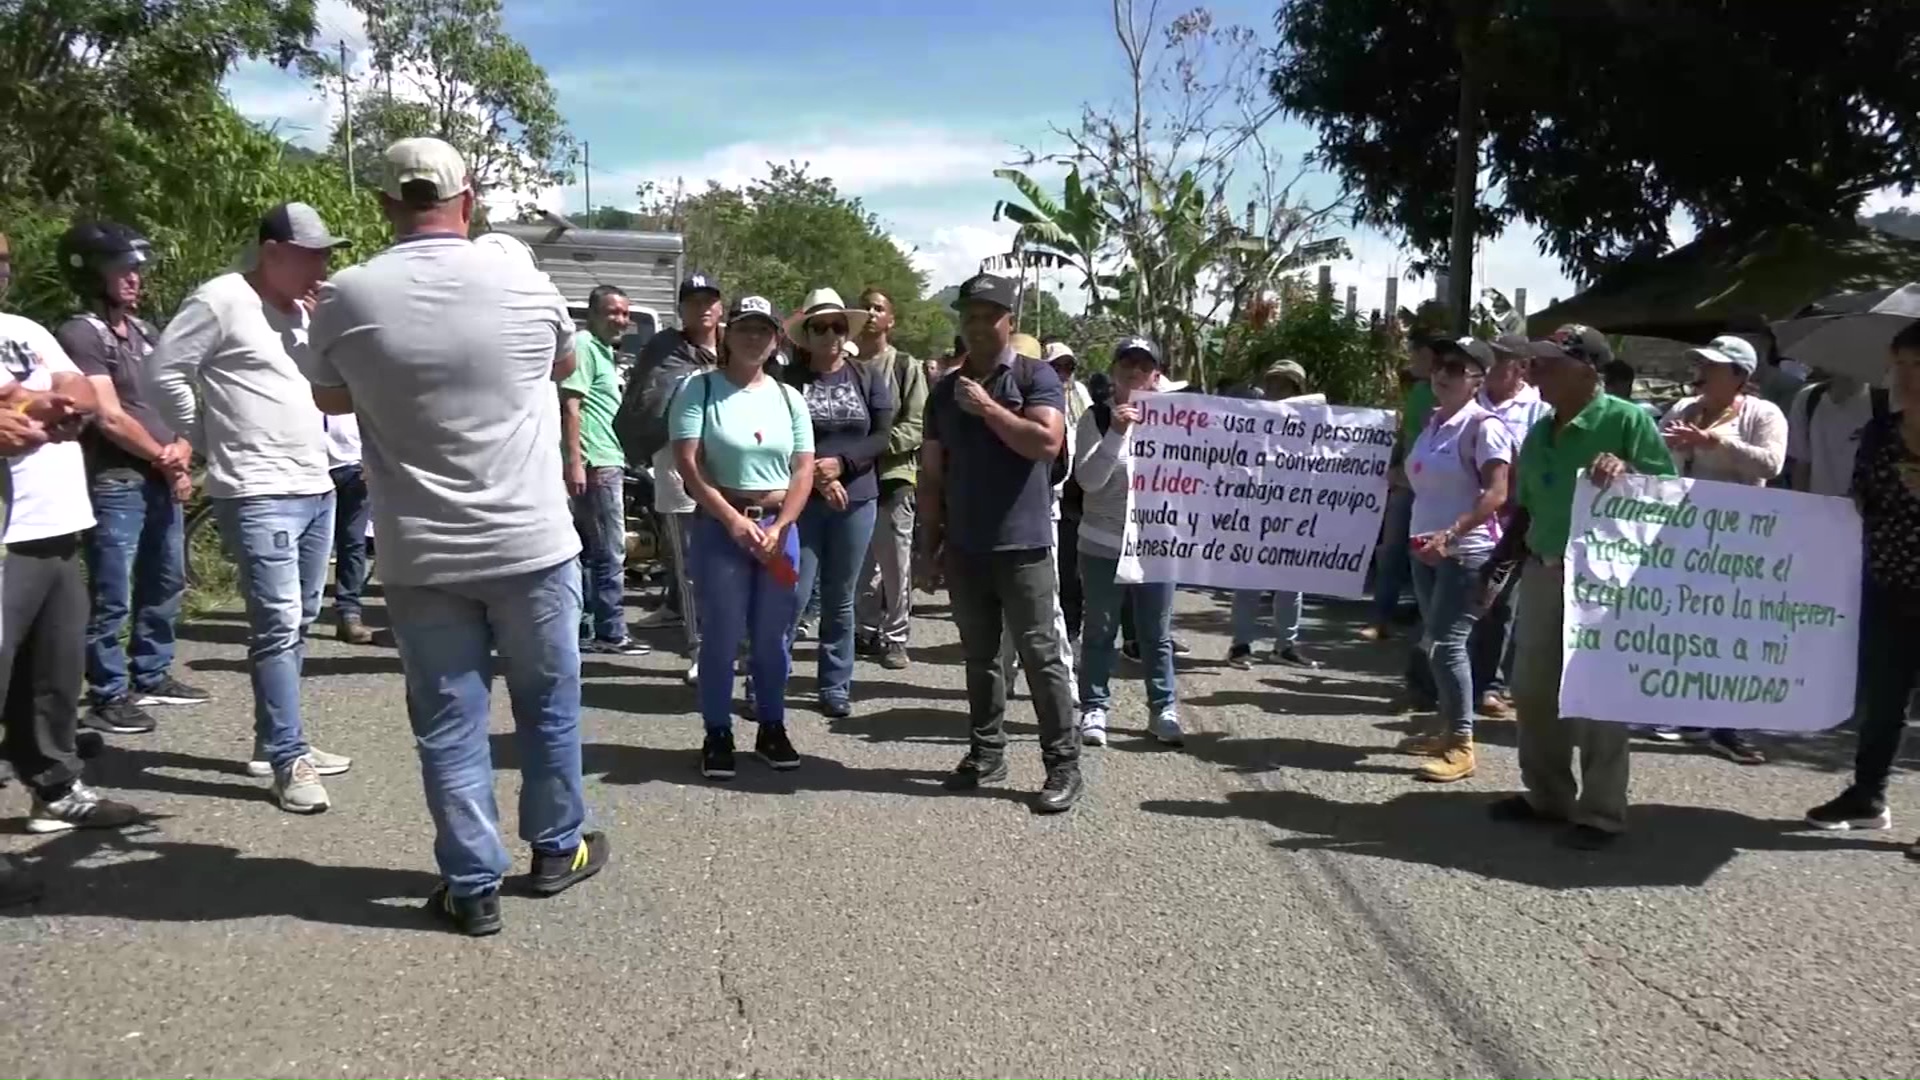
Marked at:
<point>323,763</point>
<point>80,808</point>
<point>1166,728</point>
<point>298,790</point>
<point>1093,727</point>
<point>693,673</point>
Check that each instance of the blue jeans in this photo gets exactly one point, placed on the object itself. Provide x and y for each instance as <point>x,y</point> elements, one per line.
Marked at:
<point>1447,614</point>
<point>136,564</point>
<point>1246,618</point>
<point>279,544</point>
<point>1152,603</point>
<point>1392,561</point>
<point>1491,646</point>
<point>351,510</point>
<point>601,517</point>
<point>447,635</point>
<point>738,598</point>
<point>833,548</point>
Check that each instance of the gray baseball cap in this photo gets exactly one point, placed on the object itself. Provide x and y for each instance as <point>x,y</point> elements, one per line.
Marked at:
<point>298,224</point>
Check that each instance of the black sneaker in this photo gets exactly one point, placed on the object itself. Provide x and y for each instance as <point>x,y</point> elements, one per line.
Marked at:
<point>1180,648</point>
<point>864,645</point>
<point>1240,657</point>
<point>17,885</point>
<point>773,747</point>
<point>554,874</point>
<point>474,916</point>
<point>895,658</point>
<point>1851,811</point>
<point>1062,789</point>
<point>716,757</point>
<point>171,691</point>
<point>1291,656</point>
<point>977,770</point>
<point>623,647</point>
<point>1131,650</point>
<point>1736,748</point>
<point>118,717</point>
<point>836,707</point>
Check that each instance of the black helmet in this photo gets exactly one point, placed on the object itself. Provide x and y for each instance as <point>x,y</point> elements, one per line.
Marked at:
<point>90,248</point>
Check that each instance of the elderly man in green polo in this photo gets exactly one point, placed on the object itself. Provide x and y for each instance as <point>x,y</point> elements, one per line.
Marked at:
<point>1608,437</point>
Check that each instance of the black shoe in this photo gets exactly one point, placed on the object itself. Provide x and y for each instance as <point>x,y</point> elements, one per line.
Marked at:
<point>17,885</point>
<point>774,748</point>
<point>1180,648</point>
<point>1062,789</point>
<point>894,658</point>
<point>836,707</point>
<point>171,691</point>
<point>1735,747</point>
<point>868,646</point>
<point>554,874</point>
<point>1291,656</point>
<point>1516,808</point>
<point>976,771</point>
<point>623,647</point>
<point>716,757</point>
<point>1131,650</point>
<point>1586,838</point>
<point>118,717</point>
<point>1240,658</point>
<point>1850,811</point>
<point>474,916</point>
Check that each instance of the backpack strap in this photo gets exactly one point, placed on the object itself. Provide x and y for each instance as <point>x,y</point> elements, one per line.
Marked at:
<point>1882,400</point>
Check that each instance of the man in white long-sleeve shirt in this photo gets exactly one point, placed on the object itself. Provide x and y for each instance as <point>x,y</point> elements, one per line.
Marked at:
<point>224,373</point>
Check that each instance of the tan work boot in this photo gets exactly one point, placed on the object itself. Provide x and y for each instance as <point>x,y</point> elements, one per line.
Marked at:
<point>1376,632</point>
<point>354,632</point>
<point>1453,762</point>
<point>1422,745</point>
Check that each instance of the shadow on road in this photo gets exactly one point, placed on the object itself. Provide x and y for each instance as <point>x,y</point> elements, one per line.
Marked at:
<point>1268,754</point>
<point>1670,846</point>
<point>121,876</point>
<point>135,768</point>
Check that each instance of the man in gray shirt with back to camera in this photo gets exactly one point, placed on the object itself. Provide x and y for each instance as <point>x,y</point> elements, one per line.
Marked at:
<point>448,353</point>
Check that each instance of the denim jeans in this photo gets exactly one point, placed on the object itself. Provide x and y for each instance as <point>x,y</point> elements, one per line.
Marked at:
<point>136,564</point>
<point>447,635</point>
<point>1392,562</point>
<point>279,544</point>
<point>351,510</point>
<point>738,598</point>
<point>1152,604</point>
<point>1286,617</point>
<point>1447,614</point>
<point>833,545</point>
<point>600,515</point>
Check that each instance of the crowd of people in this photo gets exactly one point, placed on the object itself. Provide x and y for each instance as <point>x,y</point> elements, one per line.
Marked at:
<point>807,476</point>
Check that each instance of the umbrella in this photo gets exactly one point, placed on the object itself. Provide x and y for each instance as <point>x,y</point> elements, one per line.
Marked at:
<point>1848,334</point>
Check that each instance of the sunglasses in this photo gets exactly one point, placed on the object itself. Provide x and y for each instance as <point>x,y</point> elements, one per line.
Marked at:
<point>827,329</point>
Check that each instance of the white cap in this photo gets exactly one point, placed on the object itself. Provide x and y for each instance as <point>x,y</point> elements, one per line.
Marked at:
<point>1058,350</point>
<point>1730,350</point>
<point>423,160</point>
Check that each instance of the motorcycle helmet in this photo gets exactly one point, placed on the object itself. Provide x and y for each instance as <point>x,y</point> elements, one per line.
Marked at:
<point>89,249</point>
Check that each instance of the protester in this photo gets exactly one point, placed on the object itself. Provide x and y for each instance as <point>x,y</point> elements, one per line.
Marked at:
<point>1824,424</point>
<point>1620,379</point>
<point>1886,488</point>
<point>744,442</point>
<point>885,603</point>
<point>670,358</point>
<point>1392,566</point>
<point>138,475</point>
<point>43,597</point>
<point>1059,356</point>
<point>448,354</point>
<point>1725,434</point>
<point>351,512</point>
<point>1608,437</point>
<point>226,374</point>
<point>994,433</point>
<point>1103,463</point>
<point>1458,469</point>
<point>596,473</point>
<point>1516,404</point>
<point>1283,381</point>
<point>852,410</point>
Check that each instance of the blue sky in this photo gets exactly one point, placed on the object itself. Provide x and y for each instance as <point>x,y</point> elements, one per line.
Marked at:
<point>908,105</point>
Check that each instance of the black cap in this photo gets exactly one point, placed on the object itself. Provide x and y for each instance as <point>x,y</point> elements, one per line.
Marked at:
<point>1474,351</point>
<point>1136,345</point>
<point>987,288</point>
<point>1582,343</point>
<point>698,282</point>
<point>748,308</point>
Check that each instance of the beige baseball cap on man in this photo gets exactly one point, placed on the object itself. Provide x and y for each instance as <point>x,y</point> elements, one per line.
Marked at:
<point>423,160</point>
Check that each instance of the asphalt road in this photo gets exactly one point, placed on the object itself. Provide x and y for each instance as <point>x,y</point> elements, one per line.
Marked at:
<point>1277,899</point>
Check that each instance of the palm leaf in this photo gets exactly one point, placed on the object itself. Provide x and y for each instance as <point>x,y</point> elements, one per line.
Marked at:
<point>1031,191</point>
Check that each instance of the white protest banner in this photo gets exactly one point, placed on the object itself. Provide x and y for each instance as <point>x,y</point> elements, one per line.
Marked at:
<point>1239,494</point>
<point>1696,603</point>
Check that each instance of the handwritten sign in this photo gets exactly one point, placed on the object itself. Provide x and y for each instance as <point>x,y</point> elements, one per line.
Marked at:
<point>1709,604</point>
<point>1239,494</point>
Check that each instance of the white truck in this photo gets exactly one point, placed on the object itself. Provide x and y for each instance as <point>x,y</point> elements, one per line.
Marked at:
<point>647,266</point>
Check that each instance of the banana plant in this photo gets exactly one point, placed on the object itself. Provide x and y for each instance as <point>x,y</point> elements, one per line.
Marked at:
<point>1068,234</point>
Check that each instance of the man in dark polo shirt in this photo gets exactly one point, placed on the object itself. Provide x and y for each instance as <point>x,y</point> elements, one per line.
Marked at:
<point>994,429</point>
<point>137,473</point>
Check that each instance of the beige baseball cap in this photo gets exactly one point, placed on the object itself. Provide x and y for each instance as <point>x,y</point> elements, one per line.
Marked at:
<point>423,160</point>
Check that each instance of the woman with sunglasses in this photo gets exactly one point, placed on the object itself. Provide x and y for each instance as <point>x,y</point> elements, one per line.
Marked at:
<point>744,446</point>
<point>1458,468</point>
<point>851,410</point>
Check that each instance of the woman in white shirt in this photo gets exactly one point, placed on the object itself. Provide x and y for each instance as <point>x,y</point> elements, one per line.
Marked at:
<point>1458,469</point>
<point>1723,433</point>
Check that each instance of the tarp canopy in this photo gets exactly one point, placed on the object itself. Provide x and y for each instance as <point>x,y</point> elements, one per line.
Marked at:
<point>1718,283</point>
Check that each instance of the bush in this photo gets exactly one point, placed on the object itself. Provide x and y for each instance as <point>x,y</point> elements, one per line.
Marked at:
<point>1345,358</point>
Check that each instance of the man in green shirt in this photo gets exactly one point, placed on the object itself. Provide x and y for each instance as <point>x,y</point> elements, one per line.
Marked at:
<point>596,473</point>
<point>1608,438</point>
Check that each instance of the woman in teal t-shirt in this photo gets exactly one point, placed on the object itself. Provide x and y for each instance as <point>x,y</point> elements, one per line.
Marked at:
<point>744,445</point>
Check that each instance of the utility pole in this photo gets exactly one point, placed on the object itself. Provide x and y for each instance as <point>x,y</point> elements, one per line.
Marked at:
<point>346,108</point>
<point>586,170</point>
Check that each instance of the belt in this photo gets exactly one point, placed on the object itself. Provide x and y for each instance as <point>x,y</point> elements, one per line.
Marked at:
<point>748,510</point>
<point>50,547</point>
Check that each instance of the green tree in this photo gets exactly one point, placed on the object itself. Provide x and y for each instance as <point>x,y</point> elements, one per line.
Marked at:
<point>1596,122</point>
<point>1345,358</point>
